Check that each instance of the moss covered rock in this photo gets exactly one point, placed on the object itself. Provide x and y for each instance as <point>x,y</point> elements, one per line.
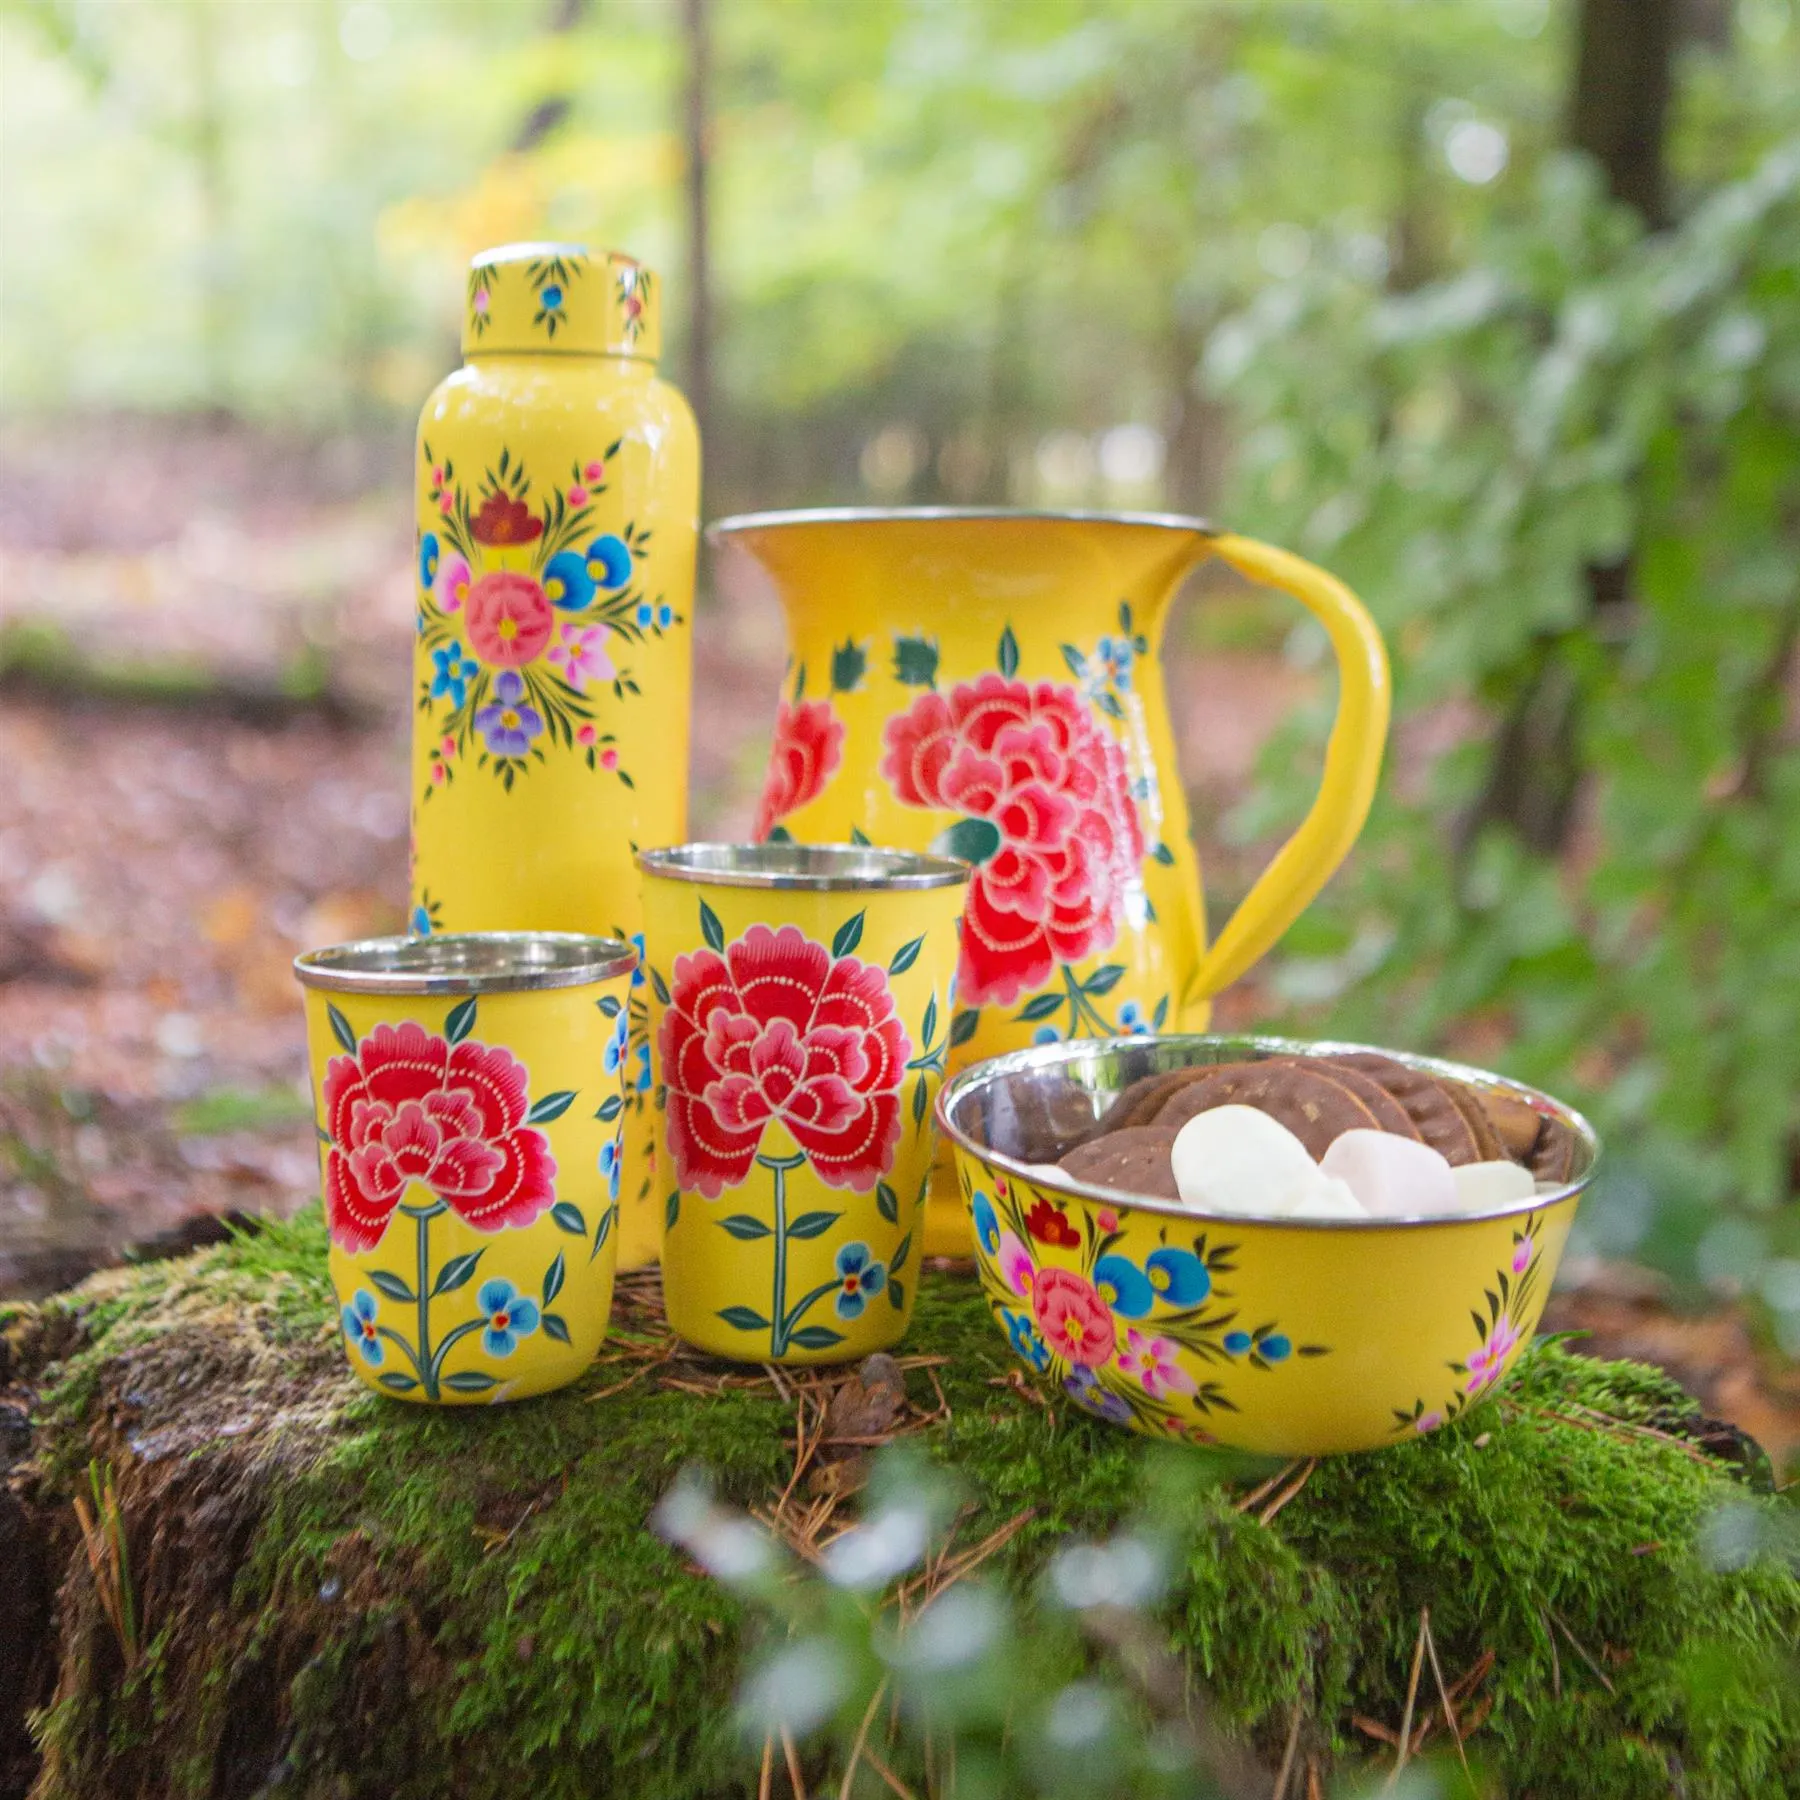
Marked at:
<point>311,1591</point>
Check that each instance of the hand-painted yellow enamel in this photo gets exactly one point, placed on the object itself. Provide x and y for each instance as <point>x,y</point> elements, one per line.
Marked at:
<point>801,1038</point>
<point>557,492</point>
<point>988,684</point>
<point>1285,1339</point>
<point>469,1153</point>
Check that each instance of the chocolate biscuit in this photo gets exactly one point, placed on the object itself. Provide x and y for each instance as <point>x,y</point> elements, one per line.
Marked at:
<point>1426,1101</point>
<point>1134,1158</point>
<point>1139,1103</point>
<point>1299,1095</point>
<point>1516,1122</point>
<point>1390,1115</point>
<point>1468,1103</point>
<point>1552,1157</point>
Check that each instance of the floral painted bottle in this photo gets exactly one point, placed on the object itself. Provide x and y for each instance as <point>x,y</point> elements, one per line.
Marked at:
<point>558,501</point>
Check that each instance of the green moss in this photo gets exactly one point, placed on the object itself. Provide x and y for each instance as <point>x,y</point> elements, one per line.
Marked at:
<point>375,1599</point>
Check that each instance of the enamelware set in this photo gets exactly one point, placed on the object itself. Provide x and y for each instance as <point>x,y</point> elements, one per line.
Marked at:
<point>603,1046</point>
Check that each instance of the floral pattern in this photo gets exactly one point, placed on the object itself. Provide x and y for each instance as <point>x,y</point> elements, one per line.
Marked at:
<point>1510,1299</point>
<point>407,1108</point>
<point>360,1327</point>
<point>1077,1324</point>
<point>859,1277</point>
<point>1120,1331</point>
<point>420,1124</point>
<point>773,1028</point>
<point>807,752</point>
<point>1047,818</point>
<point>528,613</point>
<point>508,1314</point>
<point>776,1027</point>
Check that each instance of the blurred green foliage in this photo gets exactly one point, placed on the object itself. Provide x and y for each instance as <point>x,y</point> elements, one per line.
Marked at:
<point>1462,454</point>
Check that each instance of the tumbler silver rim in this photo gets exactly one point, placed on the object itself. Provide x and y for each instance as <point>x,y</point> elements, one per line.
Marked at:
<point>809,868</point>
<point>466,962</point>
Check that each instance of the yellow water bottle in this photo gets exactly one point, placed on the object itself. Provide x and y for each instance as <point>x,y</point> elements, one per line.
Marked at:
<point>558,499</point>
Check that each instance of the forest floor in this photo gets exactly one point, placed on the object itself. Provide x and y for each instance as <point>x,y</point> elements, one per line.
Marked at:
<point>204,665</point>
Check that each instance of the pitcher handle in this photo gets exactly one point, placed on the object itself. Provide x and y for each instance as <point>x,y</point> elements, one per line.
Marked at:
<point>1352,762</point>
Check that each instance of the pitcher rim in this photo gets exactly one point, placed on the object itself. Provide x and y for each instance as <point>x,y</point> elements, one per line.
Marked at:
<point>735,523</point>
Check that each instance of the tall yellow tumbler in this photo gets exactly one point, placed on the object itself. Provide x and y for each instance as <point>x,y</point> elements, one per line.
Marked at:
<point>558,492</point>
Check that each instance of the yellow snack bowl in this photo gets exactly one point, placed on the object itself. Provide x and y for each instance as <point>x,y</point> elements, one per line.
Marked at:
<point>1286,1337</point>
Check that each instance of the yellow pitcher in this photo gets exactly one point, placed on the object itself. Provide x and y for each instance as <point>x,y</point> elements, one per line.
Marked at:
<point>985,684</point>
<point>558,500</point>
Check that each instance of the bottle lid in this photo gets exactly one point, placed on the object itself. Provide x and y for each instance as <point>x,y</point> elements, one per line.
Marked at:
<point>561,299</point>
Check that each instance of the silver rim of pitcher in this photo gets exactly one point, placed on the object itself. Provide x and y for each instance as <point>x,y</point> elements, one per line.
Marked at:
<point>812,868</point>
<point>466,962</point>
<point>889,515</point>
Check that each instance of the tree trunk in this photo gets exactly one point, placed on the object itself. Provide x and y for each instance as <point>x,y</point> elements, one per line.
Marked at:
<point>283,1585</point>
<point>1619,101</point>
<point>1618,113</point>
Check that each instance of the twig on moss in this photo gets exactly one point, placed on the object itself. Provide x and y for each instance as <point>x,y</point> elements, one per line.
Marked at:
<point>1265,1489</point>
<point>1555,1660</point>
<point>1287,1755</point>
<point>945,1571</point>
<point>1450,1719</point>
<point>899,1788</point>
<point>862,1737</point>
<point>1608,1426</point>
<point>1412,1694</point>
<point>803,1453</point>
<point>618,1387</point>
<point>765,1783</point>
<point>1576,1645</point>
<point>1267,1515</point>
<point>793,1764</point>
<point>943,1403</point>
<point>1015,1382</point>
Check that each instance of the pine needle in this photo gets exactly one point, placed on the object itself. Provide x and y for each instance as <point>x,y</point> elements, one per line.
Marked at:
<point>1287,1755</point>
<point>1267,1515</point>
<point>862,1737</point>
<point>1412,1694</point>
<point>1262,1492</point>
<point>1449,1710</point>
<point>1575,1644</point>
<point>793,1764</point>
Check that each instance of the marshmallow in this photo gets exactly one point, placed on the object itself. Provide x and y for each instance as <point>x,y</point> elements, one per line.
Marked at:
<point>1325,1197</point>
<point>1236,1159</point>
<point>1393,1177</point>
<point>1485,1184</point>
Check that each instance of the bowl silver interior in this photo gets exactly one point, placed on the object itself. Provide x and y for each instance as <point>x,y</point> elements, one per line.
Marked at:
<point>1028,1107</point>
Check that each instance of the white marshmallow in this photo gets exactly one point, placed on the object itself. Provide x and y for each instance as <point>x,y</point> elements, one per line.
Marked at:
<point>1236,1159</point>
<point>1327,1198</point>
<point>1393,1177</point>
<point>1484,1184</point>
